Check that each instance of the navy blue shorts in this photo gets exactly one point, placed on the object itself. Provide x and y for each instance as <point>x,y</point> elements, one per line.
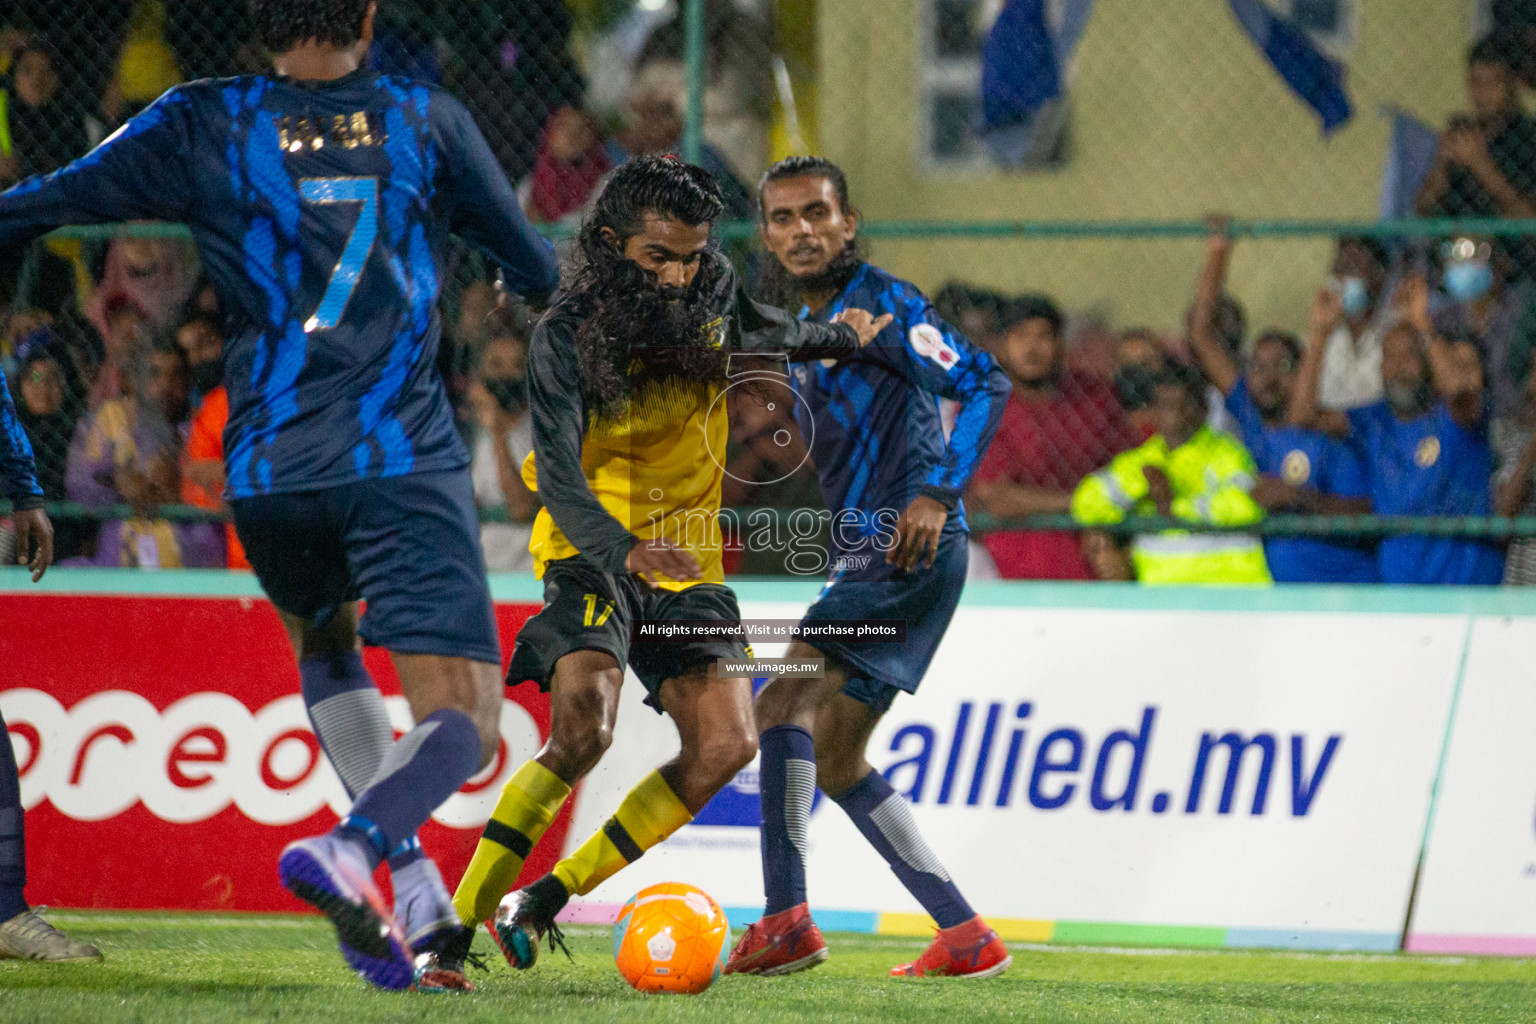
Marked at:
<point>924,598</point>
<point>408,545</point>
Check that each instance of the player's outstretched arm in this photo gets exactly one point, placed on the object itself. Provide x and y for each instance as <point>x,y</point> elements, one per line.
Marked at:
<point>140,172</point>
<point>763,328</point>
<point>482,206</point>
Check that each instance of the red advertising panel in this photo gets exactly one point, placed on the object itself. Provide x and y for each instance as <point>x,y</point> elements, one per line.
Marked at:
<point>166,758</point>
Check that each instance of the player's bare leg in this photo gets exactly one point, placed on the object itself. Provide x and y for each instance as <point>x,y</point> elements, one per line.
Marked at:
<point>456,703</point>
<point>718,738</point>
<point>812,730</point>
<point>583,706</point>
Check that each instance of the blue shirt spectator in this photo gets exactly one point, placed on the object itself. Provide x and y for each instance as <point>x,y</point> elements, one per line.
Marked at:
<point>1425,444</point>
<point>1300,469</point>
<point>1429,465</point>
<point>1305,460</point>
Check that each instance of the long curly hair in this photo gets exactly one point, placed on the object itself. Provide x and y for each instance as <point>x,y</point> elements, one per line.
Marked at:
<point>633,333</point>
<point>283,24</point>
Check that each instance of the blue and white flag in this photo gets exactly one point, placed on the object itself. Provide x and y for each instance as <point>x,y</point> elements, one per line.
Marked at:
<point>1410,154</point>
<point>1023,68</point>
<point>1315,77</point>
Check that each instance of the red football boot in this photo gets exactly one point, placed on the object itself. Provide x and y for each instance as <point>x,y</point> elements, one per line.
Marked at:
<point>969,950</point>
<point>782,943</point>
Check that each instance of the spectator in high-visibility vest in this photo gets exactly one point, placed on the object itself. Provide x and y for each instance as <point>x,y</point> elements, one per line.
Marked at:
<point>1186,471</point>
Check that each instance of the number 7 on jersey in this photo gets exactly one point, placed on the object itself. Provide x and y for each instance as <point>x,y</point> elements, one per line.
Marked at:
<point>359,243</point>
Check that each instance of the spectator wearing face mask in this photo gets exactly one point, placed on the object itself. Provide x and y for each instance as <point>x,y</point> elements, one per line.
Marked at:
<point>202,339</point>
<point>498,397</point>
<point>47,408</point>
<point>1352,351</point>
<point>1058,426</point>
<point>1425,443</point>
<point>572,160</point>
<point>1490,308</point>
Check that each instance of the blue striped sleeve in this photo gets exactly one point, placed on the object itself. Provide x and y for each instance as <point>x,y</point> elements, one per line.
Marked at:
<point>18,473</point>
<point>139,172</point>
<point>483,208</point>
<point>945,363</point>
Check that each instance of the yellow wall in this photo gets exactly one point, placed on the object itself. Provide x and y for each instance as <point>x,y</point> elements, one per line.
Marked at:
<point>1174,113</point>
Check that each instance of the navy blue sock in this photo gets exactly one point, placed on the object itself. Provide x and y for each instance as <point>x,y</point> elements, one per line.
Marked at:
<point>348,715</point>
<point>786,787</point>
<point>424,768</point>
<point>13,850</point>
<point>885,818</point>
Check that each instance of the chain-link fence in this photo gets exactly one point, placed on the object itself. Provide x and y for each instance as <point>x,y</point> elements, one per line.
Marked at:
<point>1001,153</point>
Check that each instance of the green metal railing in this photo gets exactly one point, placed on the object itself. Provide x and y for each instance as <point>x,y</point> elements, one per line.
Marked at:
<point>1432,227</point>
<point>693,56</point>
<point>1491,528</point>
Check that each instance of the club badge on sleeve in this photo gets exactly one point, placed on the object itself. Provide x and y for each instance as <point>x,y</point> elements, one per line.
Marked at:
<point>927,340</point>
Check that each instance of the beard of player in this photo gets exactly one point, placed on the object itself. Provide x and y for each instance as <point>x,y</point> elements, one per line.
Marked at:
<point>776,286</point>
<point>637,332</point>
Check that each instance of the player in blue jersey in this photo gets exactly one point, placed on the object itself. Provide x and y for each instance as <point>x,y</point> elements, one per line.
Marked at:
<point>321,198</point>
<point>1302,470</point>
<point>892,483</point>
<point>24,935</point>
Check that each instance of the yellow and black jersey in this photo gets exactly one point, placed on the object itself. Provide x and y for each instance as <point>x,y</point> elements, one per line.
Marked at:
<point>653,471</point>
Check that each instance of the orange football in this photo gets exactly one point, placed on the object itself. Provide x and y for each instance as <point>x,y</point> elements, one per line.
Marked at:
<point>671,938</point>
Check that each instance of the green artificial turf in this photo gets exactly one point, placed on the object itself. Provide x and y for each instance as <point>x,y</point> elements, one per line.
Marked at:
<point>209,970</point>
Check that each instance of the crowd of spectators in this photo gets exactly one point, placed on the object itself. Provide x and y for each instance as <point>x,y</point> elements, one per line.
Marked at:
<point>1412,392</point>
<point>1410,395</point>
<point>114,349</point>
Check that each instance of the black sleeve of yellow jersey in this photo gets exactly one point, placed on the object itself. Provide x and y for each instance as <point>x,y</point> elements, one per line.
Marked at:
<point>559,425</point>
<point>767,329</point>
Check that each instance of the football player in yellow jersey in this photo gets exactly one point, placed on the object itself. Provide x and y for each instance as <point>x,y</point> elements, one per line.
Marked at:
<point>627,374</point>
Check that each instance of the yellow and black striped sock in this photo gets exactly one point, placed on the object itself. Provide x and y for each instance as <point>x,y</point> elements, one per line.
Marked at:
<point>529,802</point>
<point>648,814</point>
